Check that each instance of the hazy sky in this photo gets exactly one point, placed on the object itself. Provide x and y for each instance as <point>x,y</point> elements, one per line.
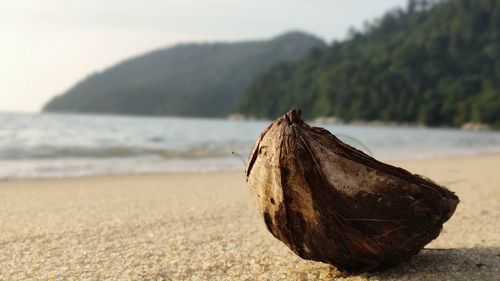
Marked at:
<point>48,45</point>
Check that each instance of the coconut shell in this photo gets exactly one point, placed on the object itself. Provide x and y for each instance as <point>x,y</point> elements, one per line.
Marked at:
<point>332,203</point>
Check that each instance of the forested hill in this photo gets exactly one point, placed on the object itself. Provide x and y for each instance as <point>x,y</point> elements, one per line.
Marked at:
<point>187,80</point>
<point>435,62</point>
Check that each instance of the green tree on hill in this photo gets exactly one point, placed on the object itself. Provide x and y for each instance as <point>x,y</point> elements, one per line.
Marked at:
<point>205,79</point>
<point>437,63</point>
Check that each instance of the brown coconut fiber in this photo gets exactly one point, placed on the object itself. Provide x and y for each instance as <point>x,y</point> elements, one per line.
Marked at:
<point>332,203</point>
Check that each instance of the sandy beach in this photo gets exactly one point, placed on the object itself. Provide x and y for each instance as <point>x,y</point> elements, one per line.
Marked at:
<point>203,226</point>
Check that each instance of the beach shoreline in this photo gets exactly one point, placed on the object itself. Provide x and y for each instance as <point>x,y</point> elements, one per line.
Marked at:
<point>203,226</point>
<point>393,161</point>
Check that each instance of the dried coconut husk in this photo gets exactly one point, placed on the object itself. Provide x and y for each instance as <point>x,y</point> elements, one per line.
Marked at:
<point>330,202</point>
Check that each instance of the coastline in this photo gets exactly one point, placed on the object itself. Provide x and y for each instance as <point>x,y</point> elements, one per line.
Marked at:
<point>185,225</point>
<point>240,167</point>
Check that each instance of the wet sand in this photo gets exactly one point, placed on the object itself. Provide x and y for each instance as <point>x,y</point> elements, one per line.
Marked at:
<point>202,226</point>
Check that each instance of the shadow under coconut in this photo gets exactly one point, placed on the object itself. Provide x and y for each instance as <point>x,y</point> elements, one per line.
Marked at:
<point>478,263</point>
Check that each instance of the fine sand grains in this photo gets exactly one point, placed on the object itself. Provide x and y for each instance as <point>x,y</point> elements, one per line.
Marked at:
<point>202,226</point>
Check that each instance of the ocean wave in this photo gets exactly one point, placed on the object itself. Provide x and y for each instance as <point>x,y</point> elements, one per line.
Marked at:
<point>63,168</point>
<point>207,150</point>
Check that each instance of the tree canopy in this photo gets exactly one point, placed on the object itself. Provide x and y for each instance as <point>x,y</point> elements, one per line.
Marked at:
<point>435,63</point>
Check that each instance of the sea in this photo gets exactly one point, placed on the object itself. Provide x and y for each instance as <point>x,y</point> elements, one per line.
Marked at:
<point>40,145</point>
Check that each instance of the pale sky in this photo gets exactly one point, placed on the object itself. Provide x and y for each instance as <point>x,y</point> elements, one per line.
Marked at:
<point>46,46</point>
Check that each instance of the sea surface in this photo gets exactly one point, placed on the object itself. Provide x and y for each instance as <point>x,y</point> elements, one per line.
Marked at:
<point>69,145</point>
